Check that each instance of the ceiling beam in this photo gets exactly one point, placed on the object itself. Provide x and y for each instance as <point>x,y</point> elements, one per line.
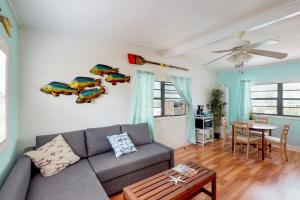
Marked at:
<point>275,14</point>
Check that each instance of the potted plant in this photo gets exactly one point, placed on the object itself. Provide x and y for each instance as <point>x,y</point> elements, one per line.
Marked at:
<point>216,106</point>
<point>251,119</point>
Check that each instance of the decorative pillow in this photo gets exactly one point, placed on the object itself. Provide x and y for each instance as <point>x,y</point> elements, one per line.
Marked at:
<point>53,157</point>
<point>121,144</point>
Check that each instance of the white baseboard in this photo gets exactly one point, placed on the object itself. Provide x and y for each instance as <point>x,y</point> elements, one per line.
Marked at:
<point>181,144</point>
<point>293,148</point>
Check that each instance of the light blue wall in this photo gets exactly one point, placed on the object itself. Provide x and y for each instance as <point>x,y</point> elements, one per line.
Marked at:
<point>7,155</point>
<point>270,74</point>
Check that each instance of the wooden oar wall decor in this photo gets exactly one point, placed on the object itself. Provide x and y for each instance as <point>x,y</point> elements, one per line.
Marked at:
<point>139,60</point>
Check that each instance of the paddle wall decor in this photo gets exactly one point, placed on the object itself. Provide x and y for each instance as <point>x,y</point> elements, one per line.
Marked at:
<point>79,84</point>
<point>139,60</point>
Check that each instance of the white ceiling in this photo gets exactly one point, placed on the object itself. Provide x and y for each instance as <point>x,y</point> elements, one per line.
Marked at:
<point>158,24</point>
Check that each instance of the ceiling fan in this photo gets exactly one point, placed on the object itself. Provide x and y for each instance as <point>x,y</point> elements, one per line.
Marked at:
<point>244,51</point>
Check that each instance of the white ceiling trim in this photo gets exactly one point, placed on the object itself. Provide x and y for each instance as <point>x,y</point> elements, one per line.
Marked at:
<point>13,9</point>
<point>256,21</point>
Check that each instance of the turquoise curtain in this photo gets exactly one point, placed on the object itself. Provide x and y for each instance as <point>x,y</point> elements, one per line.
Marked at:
<point>183,87</point>
<point>142,102</point>
<point>244,101</point>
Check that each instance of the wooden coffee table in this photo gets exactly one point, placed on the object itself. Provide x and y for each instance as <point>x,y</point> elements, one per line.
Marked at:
<point>158,186</point>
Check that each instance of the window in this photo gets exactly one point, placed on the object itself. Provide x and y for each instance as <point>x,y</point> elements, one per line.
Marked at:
<point>276,99</point>
<point>167,101</point>
<point>264,98</point>
<point>291,99</point>
<point>2,96</point>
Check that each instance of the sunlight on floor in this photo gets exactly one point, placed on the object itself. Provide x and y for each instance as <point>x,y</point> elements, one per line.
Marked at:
<point>284,189</point>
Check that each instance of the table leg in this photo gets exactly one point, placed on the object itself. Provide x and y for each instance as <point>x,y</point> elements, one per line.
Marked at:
<point>214,188</point>
<point>263,145</point>
<point>270,146</point>
<point>232,139</point>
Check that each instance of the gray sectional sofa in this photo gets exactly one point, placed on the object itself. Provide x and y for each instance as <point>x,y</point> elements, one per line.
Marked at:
<point>98,173</point>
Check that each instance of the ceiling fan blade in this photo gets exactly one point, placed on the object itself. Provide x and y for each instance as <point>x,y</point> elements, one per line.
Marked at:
<point>218,58</point>
<point>271,54</point>
<point>222,51</point>
<point>264,43</point>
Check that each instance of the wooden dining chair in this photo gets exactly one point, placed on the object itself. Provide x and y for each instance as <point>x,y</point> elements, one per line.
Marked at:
<point>226,134</point>
<point>242,135</point>
<point>279,143</point>
<point>260,120</point>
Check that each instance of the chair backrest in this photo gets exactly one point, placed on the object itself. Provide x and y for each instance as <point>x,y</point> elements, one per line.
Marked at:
<point>261,120</point>
<point>224,125</point>
<point>242,128</point>
<point>284,133</point>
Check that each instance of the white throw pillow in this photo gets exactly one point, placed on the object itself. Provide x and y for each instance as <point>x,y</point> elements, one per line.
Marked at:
<point>121,144</point>
<point>53,157</point>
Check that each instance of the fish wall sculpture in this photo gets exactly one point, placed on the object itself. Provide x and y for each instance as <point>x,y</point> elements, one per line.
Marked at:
<point>87,96</point>
<point>117,78</point>
<point>57,88</point>
<point>79,83</point>
<point>101,70</point>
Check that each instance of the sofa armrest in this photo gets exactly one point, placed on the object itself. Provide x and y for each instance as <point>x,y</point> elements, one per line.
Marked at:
<point>16,185</point>
<point>34,169</point>
<point>171,150</point>
<point>28,149</point>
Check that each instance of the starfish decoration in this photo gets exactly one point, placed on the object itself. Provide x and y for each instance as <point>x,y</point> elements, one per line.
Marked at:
<point>176,180</point>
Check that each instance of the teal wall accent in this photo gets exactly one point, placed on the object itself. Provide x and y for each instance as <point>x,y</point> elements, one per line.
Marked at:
<point>270,74</point>
<point>8,153</point>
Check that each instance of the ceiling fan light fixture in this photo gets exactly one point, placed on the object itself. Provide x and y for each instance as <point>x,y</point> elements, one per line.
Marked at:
<point>240,57</point>
<point>239,68</point>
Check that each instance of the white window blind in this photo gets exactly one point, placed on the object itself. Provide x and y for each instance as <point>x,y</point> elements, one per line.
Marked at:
<point>167,101</point>
<point>3,78</point>
<point>281,99</point>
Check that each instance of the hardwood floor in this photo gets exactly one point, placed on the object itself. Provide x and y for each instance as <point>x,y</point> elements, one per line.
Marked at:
<point>238,179</point>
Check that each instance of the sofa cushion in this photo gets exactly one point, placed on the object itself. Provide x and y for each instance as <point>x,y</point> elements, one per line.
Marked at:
<point>16,184</point>
<point>138,133</point>
<point>121,144</point>
<point>53,157</point>
<point>107,166</point>
<point>77,182</point>
<point>96,140</point>
<point>75,139</point>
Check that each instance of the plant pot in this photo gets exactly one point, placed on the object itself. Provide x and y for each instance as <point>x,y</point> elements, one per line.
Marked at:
<point>216,135</point>
<point>251,122</point>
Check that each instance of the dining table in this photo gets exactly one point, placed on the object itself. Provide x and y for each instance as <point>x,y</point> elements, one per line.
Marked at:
<point>258,127</point>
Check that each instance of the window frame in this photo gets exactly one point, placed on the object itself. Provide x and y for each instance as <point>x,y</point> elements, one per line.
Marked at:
<point>4,48</point>
<point>279,100</point>
<point>163,99</point>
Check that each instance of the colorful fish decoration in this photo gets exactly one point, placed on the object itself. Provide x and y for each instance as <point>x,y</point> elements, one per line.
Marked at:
<point>57,88</point>
<point>117,78</point>
<point>6,24</point>
<point>101,70</point>
<point>86,96</point>
<point>79,83</point>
